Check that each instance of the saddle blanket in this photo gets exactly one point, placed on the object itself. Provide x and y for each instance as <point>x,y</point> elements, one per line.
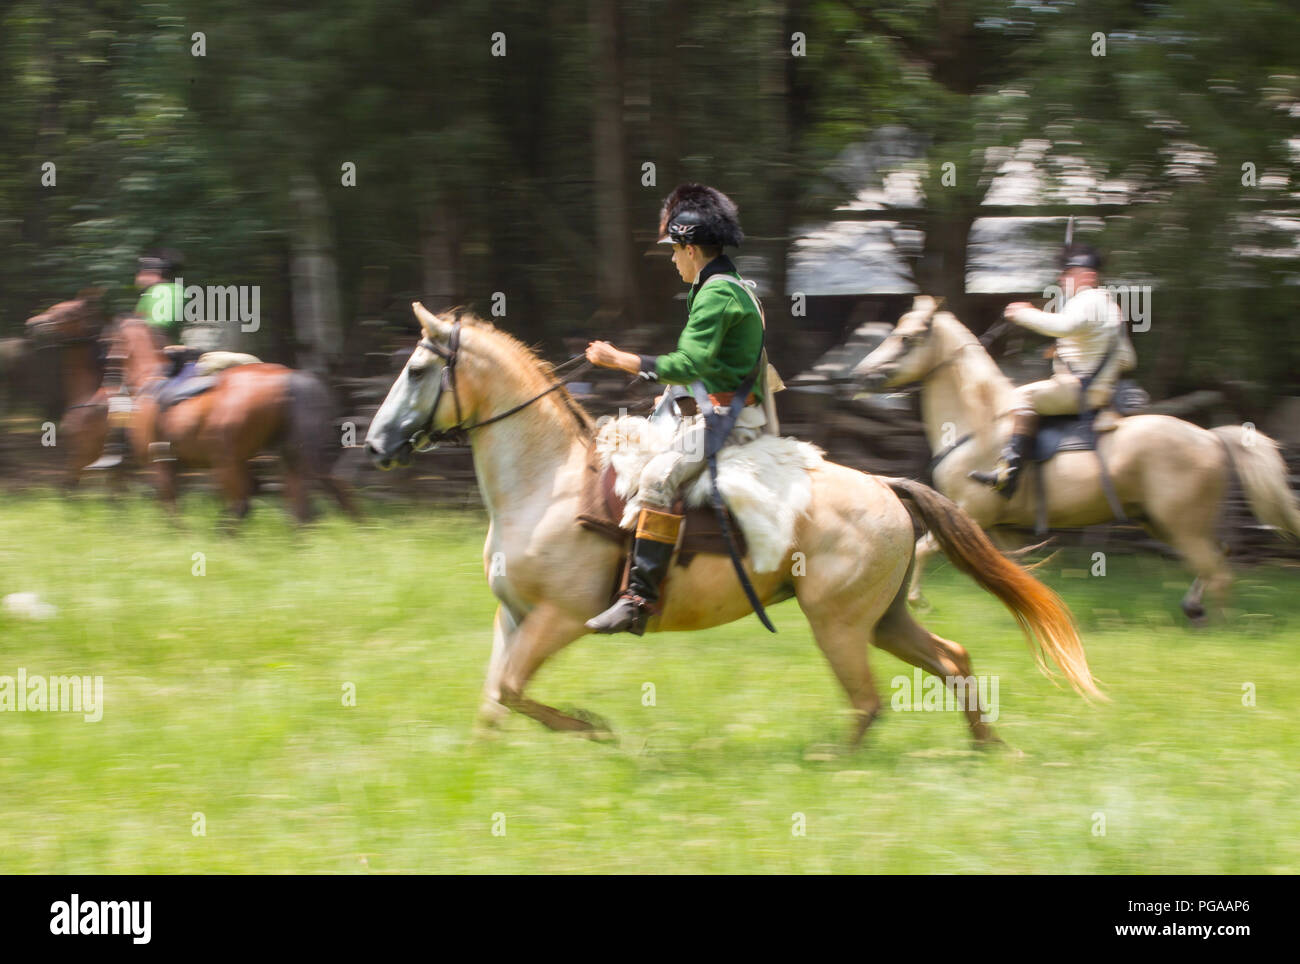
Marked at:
<point>765,483</point>
<point>211,362</point>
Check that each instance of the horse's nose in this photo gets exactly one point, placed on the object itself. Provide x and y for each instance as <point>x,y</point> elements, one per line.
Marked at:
<point>376,456</point>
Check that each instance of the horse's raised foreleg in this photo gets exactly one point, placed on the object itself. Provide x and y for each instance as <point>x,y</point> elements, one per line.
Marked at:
<point>544,631</point>
<point>898,633</point>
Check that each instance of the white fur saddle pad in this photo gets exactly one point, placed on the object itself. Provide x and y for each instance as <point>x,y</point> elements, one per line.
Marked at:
<point>211,362</point>
<point>765,482</point>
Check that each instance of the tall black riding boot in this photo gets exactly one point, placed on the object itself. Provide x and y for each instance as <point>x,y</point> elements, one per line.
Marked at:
<point>1006,474</point>
<point>652,550</point>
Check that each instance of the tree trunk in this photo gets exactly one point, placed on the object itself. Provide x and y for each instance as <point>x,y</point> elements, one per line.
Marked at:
<point>439,277</point>
<point>614,279</point>
<point>314,273</point>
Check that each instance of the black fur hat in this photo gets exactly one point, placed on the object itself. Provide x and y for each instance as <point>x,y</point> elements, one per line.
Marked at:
<point>696,214</point>
<point>166,261</point>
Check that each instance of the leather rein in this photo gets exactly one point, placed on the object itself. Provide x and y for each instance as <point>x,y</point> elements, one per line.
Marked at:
<point>427,437</point>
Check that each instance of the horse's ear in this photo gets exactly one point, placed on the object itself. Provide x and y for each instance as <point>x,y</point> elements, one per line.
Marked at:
<point>433,326</point>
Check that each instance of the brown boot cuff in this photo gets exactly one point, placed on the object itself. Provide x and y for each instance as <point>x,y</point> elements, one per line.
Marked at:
<point>658,526</point>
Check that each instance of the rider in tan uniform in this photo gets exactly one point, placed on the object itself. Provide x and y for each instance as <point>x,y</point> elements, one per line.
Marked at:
<point>1091,344</point>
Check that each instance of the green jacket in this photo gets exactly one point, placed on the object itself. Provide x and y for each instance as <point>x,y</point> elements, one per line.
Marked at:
<point>721,340</point>
<point>161,307</point>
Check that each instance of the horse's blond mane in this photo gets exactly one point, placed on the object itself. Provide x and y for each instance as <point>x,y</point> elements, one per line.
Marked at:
<point>978,394</point>
<point>532,360</point>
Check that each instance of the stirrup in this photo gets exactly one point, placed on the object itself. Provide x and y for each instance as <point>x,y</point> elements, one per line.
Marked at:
<point>629,614</point>
<point>1002,480</point>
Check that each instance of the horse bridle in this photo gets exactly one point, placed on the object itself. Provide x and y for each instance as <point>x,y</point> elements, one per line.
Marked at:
<point>426,437</point>
<point>943,363</point>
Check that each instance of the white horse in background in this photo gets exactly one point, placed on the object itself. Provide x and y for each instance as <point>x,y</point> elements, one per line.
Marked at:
<point>1169,475</point>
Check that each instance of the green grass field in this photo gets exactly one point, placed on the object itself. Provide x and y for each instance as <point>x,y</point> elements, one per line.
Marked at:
<point>224,696</point>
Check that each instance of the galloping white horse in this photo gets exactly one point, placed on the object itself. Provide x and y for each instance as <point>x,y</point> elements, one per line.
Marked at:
<point>530,442</point>
<point>1168,474</point>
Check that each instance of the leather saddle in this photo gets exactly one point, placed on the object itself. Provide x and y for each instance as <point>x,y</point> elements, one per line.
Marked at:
<point>1071,433</point>
<point>602,508</point>
<point>183,386</point>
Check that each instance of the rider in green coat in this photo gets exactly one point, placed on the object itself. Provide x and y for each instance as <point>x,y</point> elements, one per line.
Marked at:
<point>720,349</point>
<point>161,301</point>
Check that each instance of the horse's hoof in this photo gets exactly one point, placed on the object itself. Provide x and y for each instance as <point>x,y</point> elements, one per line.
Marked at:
<point>919,603</point>
<point>828,752</point>
<point>597,727</point>
<point>1196,617</point>
<point>995,744</point>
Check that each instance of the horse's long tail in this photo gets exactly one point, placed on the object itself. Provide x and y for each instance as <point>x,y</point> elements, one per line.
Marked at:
<point>1047,623</point>
<point>310,445</point>
<point>309,441</point>
<point>1263,476</point>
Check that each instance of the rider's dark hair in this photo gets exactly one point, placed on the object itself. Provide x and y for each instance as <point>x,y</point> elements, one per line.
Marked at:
<point>166,261</point>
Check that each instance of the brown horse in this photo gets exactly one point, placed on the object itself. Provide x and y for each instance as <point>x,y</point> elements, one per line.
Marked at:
<point>73,329</point>
<point>848,566</point>
<point>251,408</point>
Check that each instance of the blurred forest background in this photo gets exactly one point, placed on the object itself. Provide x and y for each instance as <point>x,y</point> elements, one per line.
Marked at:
<point>526,173</point>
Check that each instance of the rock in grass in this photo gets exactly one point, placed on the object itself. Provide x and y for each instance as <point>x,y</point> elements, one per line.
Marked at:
<point>28,605</point>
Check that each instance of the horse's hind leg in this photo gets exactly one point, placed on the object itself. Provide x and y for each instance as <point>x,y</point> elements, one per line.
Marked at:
<point>295,493</point>
<point>925,548</point>
<point>841,635</point>
<point>898,633</point>
<point>1195,542</point>
<point>342,494</point>
<point>1212,574</point>
<point>236,487</point>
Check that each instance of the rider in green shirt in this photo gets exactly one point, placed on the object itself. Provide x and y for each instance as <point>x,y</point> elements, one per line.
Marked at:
<point>720,349</point>
<point>160,303</point>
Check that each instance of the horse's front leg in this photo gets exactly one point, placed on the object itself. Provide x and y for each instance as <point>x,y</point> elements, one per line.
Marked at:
<point>164,474</point>
<point>491,711</point>
<point>544,631</point>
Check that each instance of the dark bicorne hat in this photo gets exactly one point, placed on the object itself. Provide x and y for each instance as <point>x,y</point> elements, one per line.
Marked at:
<point>696,214</point>
<point>166,261</point>
<point>1080,256</point>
